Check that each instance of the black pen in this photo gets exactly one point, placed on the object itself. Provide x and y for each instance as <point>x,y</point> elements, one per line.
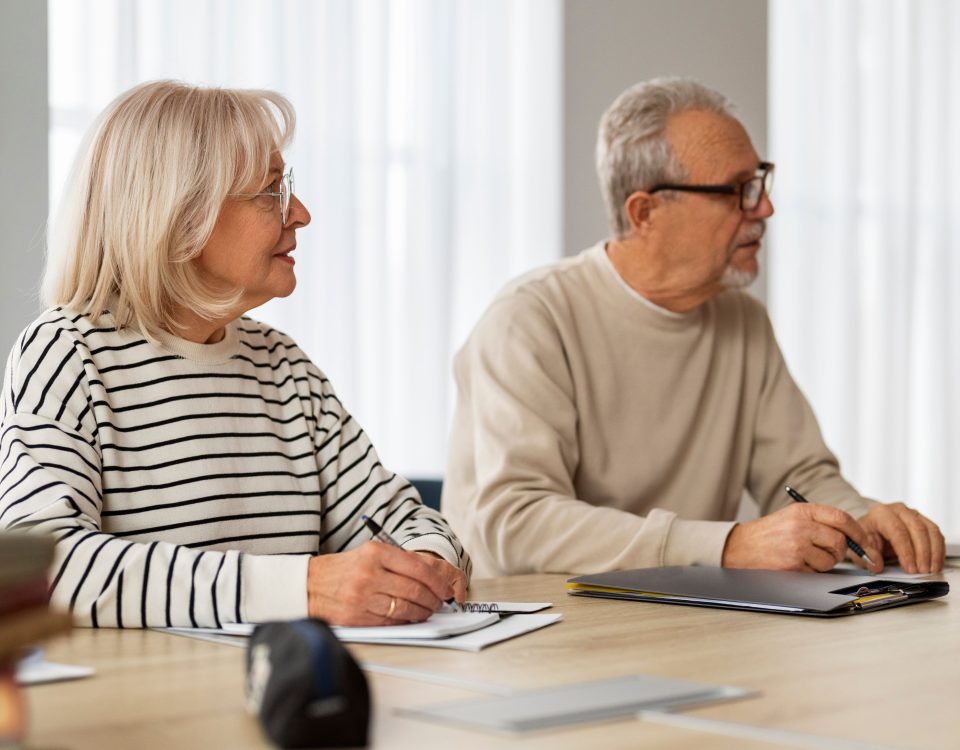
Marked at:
<point>450,605</point>
<point>378,533</point>
<point>851,545</point>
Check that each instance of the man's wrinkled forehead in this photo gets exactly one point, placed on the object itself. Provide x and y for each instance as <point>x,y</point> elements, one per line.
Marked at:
<point>711,146</point>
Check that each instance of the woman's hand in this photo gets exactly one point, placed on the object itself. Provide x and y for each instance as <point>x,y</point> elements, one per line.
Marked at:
<point>376,584</point>
<point>450,573</point>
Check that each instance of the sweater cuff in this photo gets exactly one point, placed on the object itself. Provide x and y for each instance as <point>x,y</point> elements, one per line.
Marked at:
<point>859,507</point>
<point>436,543</point>
<point>696,542</point>
<point>274,587</point>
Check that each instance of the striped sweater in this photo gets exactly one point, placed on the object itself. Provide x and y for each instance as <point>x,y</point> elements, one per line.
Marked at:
<point>188,484</point>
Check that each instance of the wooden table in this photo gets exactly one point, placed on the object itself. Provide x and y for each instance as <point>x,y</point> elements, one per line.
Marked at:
<point>890,678</point>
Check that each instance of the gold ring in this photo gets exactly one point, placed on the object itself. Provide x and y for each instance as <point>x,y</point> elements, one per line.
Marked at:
<point>393,606</point>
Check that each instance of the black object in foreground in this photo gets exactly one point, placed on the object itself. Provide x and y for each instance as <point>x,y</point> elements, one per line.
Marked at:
<point>305,687</point>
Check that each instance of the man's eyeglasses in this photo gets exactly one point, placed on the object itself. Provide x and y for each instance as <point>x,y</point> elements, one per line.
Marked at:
<point>284,194</point>
<point>751,191</point>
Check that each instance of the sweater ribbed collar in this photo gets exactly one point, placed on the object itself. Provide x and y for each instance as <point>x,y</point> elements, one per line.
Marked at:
<point>210,354</point>
<point>630,301</point>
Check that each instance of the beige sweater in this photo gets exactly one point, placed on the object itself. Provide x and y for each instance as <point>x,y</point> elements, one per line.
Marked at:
<point>595,431</point>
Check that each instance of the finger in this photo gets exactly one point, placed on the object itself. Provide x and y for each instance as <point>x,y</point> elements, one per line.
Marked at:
<point>410,590</point>
<point>841,521</point>
<point>453,574</point>
<point>819,559</point>
<point>892,528</point>
<point>919,537</point>
<point>411,565</point>
<point>450,573</point>
<point>938,546</point>
<point>460,586</point>
<point>396,609</point>
<point>830,540</point>
<point>872,550</point>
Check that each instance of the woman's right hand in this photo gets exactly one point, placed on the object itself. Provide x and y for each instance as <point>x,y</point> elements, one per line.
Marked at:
<point>374,584</point>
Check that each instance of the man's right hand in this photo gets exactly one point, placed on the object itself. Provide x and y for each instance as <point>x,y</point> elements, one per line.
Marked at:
<point>801,536</point>
<point>374,584</point>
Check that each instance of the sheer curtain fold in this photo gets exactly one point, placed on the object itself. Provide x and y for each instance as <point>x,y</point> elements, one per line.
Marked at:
<point>864,269</point>
<point>428,152</point>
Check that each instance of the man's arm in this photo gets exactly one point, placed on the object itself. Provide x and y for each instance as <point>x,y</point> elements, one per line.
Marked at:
<point>515,452</point>
<point>788,448</point>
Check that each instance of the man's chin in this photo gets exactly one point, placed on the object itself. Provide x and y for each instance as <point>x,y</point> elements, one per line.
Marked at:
<point>738,278</point>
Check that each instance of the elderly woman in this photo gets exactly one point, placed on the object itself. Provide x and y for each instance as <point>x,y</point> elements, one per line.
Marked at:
<point>194,466</point>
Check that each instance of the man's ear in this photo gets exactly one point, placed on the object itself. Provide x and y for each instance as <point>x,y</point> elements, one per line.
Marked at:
<point>639,209</point>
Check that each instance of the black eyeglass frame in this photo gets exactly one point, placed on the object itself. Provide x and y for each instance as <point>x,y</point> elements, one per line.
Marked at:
<point>763,180</point>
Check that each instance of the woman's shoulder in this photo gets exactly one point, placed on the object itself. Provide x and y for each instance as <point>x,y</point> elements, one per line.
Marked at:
<point>263,342</point>
<point>60,327</point>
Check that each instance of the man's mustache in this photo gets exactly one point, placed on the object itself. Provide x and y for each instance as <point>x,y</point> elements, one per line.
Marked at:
<point>754,232</point>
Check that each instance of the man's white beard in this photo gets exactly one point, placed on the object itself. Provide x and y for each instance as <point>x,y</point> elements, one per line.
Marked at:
<point>737,278</point>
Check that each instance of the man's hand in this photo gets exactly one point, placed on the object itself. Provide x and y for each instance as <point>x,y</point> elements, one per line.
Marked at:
<point>375,584</point>
<point>801,536</point>
<point>904,533</point>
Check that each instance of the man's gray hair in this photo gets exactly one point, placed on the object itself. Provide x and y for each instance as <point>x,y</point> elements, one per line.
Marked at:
<point>632,149</point>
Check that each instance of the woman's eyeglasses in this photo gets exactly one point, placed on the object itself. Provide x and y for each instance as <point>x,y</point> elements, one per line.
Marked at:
<point>284,194</point>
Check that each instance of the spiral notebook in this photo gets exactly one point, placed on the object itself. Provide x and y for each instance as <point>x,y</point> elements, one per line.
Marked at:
<point>481,624</point>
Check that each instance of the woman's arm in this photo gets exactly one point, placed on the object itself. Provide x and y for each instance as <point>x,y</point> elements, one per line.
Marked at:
<point>353,482</point>
<point>51,482</point>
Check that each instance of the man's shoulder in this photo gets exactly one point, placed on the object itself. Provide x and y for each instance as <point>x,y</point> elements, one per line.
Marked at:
<point>550,282</point>
<point>740,304</point>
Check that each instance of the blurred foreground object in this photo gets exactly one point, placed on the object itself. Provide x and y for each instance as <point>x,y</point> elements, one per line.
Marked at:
<point>25,617</point>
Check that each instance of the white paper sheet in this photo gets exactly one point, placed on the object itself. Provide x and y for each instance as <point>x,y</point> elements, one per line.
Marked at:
<point>894,572</point>
<point>235,634</point>
<point>35,670</point>
<point>507,628</point>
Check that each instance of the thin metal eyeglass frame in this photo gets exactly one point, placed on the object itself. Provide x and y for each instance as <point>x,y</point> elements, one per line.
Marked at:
<point>284,194</point>
<point>762,183</point>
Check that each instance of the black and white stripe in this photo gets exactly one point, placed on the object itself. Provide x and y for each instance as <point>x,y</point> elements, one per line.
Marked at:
<point>189,488</point>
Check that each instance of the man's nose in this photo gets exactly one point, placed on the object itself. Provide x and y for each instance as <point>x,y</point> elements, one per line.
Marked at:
<point>764,209</point>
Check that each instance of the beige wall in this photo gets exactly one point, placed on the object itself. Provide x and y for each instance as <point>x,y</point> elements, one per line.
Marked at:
<point>23,156</point>
<point>611,44</point>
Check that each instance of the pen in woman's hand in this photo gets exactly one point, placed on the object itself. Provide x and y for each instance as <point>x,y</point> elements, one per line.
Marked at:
<point>851,545</point>
<point>450,605</point>
<point>378,533</point>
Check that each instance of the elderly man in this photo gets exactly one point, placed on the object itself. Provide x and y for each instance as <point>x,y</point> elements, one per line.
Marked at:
<point>614,406</point>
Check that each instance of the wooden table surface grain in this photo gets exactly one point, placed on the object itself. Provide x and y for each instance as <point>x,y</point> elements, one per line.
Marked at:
<point>888,678</point>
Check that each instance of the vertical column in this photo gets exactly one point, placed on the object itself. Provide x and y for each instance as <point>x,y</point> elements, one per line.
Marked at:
<point>23,156</point>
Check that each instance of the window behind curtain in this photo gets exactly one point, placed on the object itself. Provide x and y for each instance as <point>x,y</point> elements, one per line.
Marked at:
<point>865,266</point>
<point>427,150</point>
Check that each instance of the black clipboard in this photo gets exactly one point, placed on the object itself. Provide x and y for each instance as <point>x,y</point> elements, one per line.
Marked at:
<point>812,594</point>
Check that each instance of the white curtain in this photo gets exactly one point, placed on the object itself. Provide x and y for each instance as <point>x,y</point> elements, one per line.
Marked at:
<point>428,151</point>
<point>865,261</point>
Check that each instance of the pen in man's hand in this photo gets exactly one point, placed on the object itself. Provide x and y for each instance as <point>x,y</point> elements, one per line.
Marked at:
<point>450,605</point>
<point>851,545</point>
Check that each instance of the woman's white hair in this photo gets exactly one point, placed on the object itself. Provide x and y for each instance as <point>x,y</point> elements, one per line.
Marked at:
<point>633,152</point>
<point>144,195</point>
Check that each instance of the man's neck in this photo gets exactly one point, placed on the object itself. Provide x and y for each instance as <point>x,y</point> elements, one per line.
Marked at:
<point>647,274</point>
